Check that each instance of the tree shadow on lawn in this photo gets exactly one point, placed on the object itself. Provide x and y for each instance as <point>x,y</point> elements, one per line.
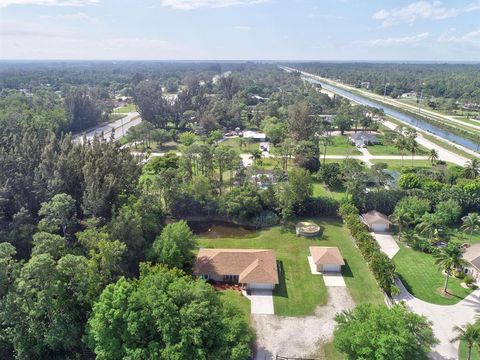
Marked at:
<point>281,288</point>
<point>410,290</point>
<point>346,271</point>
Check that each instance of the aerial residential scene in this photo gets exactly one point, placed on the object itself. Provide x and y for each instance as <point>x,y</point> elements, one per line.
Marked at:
<point>240,179</point>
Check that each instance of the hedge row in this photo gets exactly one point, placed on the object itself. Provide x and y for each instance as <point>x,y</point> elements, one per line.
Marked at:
<point>322,206</point>
<point>382,267</point>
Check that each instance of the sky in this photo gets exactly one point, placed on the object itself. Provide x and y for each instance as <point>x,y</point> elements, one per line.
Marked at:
<point>400,30</point>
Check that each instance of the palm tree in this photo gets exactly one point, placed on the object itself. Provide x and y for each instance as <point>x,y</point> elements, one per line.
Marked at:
<point>256,155</point>
<point>429,226</point>
<point>470,334</point>
<point>433,156</point>
<point>471,223</point>
<point>472,169</point>
<point>413,146</point>
<point>449,258</point>
<point>401,145</point>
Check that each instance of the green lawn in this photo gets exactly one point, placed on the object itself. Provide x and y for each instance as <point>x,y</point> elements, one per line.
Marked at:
<point>299,292</point>
<point>235,143</point>
<point>341,145</point>
<point>125,109</point>
<point>407,163</point>
<point>422,277</point>
<point>322,190</point>
<point>381,149</point>
<point>328,351</point>
<point>463,352</point>
<point>238,300</point>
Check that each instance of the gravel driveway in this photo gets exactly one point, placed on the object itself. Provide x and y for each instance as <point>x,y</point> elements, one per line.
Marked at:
<point>299,336</point>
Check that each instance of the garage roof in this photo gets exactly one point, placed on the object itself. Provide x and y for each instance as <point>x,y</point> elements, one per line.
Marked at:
<point>326,255</point>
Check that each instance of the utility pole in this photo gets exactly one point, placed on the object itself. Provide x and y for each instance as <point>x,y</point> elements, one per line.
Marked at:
<point>385,91</point>
<point>420,101</point>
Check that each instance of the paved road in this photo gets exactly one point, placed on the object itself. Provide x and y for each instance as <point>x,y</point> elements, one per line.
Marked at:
<point>118,127</point>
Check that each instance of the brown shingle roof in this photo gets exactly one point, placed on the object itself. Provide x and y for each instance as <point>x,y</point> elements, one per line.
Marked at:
<point>472,255</point>
<point>374,217</point>
<point>251,265</point>
<point>323,255</point>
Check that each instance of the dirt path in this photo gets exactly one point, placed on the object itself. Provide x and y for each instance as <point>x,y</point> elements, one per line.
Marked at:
<point>299,336</point>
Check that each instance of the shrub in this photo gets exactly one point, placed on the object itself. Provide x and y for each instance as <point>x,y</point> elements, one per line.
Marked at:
<point>468,280</point>
<point>265,219</point>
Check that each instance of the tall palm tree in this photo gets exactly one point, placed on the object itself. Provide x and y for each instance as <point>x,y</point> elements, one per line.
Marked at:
<point>471,223</point>
<point>401,145</point>
<point>413,147</point>
<point>470,334</point>
<point>256,155</point>
<point>429,226</point>
<point>472,169</point>
<point>450,258</point>
<point>433,156</point>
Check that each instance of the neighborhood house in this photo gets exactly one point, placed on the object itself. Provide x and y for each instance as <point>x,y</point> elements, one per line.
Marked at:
<point>363,139</point>
<point>376,221</point>
<point>472,257</point>
<point>252,268</point>
<point>327,259</point>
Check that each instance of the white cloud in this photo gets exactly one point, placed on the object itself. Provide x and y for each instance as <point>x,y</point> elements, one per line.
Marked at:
<point>471,38</point>
<point>5,3</point>
<point>427,10</point>
<point>78,16</point>
<point>241,28</point>
<point>394,41</point>
<point>196,4</point>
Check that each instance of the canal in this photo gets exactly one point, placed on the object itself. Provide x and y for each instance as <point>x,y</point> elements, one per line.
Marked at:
<point>398,115</point>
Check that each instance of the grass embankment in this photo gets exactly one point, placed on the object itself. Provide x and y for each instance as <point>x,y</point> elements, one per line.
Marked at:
<point>299,292</point>
<point>422,278</point>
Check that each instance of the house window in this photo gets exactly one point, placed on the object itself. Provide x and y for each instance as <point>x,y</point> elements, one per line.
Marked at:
<point>205,276</point>
<point>230,278</point>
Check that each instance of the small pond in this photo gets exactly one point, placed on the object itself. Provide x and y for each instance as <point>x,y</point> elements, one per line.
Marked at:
<point>219,229</point>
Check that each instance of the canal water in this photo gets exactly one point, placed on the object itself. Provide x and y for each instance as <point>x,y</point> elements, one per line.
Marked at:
<point>398,115</point>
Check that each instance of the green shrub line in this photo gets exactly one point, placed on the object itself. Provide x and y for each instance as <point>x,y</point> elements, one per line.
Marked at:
<point>382,267</point>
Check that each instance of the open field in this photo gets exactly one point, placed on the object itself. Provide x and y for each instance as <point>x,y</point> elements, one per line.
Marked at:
<point>299,292</point>
<point>422,278</point>
<point>341,145</point>
<point>322,190</point>
<point>235,143</point>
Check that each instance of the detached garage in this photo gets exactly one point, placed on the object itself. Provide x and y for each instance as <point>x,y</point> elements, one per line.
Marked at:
<point>376,221</point>
<point>327,259</point>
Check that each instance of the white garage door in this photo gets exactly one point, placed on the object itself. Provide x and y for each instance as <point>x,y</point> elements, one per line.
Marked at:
<point>332,268</point>
<point>260,286</point>
<point>379,227</point>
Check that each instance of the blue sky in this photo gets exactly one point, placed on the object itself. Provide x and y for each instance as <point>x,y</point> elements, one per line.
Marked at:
<point>240,29</point>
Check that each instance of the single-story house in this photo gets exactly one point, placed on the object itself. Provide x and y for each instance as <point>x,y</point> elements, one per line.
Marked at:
<point>326,258</point>
<point>376,221</point>
<point>472,257</point>
<point>363,138</point>
<point>253,268</point>
<point>254,135</point>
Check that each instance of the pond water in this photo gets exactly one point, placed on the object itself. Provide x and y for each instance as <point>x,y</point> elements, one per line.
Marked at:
<point>218,229</point>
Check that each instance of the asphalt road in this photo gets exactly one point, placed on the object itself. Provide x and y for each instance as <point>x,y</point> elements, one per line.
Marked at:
<point>118,127</point>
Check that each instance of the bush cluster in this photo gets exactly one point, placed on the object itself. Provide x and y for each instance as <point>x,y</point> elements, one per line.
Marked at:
<point>382,267</point>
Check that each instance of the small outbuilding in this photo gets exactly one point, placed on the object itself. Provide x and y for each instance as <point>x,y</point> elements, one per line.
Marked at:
<point>376,221</point>
<point>326,258</point>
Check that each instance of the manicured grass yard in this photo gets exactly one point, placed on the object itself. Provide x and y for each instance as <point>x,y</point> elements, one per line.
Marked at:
<point>322,190</point>
<point>463,352</point>
<point>422,278</point>
<point>341,145</point>
<point>407,163</point>
<point>299,292</point>
<point>235,143</point>
<point>381,149</point>
<point>125,109</point>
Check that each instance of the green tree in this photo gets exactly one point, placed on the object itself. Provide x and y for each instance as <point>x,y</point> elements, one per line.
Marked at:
<point>470,334</point>
<point>433,156</point>
<point>52,244</point>
<point>471,223</point>
<point>301,126</point>
<point>377,332</point>
<point>449,258</point>
<point>408,211</point>
<point>166,314</point>
<point>174,246</point>
<point>472,169</point>
<point>430,227</point>
<point>58,214</point>
<point>224,157</point>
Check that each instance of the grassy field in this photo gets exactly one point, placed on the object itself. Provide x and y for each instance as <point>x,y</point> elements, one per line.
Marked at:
<point>235,143</point>
<point>407,163</point>
<point>125,109</point>
<point>299,292</point>
<point>422,277</point>
<point>340,146</point>
<point>463,352</point>
<point>322,190</point>
<point>381,149</point>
